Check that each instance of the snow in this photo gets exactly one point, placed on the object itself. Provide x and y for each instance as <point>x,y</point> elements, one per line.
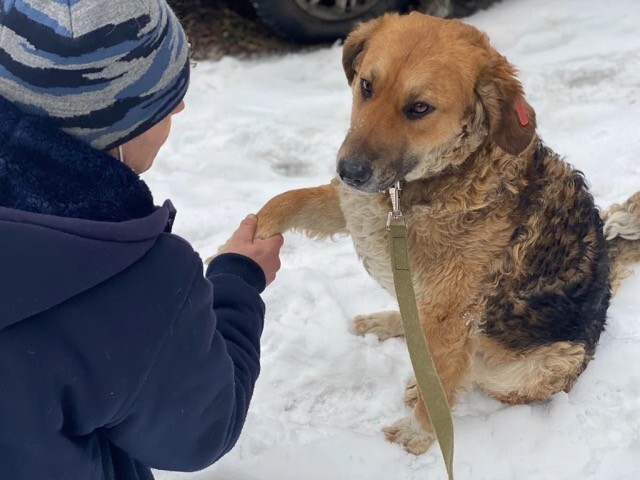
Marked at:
<point>253,129</point>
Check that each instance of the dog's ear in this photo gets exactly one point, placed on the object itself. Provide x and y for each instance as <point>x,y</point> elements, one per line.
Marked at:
<point>355,45</point>
<point>512,121</point>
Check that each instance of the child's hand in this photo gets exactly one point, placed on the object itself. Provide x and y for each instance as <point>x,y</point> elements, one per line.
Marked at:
<point>265,253</point>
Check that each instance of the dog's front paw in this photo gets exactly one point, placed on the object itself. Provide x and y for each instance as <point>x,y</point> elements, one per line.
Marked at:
<point>264,233</point>
<point>411,393</point>
<point>409,433</point>
<point>383,324</point>
<point>268,227</point>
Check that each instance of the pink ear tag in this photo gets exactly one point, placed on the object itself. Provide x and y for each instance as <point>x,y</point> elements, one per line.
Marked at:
<point>522,112</point>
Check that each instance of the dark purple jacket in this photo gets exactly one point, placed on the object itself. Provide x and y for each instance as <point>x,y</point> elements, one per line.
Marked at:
<point>116,353</point>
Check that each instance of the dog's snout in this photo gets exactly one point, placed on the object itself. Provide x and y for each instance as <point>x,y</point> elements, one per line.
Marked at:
<point>354,172</point>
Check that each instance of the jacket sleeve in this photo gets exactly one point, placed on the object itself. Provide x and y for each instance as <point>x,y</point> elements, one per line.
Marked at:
<point>192,406</point>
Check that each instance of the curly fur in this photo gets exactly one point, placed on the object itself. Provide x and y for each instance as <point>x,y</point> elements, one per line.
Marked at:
<point>511,267</point>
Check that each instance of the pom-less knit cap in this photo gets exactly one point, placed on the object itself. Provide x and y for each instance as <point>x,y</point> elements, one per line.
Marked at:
<point>103,71</point>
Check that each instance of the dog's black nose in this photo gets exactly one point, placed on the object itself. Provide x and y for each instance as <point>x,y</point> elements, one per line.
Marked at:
<point>354,172</point>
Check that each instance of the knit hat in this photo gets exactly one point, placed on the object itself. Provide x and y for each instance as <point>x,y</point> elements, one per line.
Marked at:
<point>102,71</point>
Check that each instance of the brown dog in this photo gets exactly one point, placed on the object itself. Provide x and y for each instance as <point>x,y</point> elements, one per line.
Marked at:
<point>511,268</point>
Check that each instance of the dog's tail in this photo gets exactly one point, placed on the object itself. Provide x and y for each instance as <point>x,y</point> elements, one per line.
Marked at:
<point>622,231</point>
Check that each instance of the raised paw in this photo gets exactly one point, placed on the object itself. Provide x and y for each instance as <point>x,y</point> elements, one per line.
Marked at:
<point>383,324</point>
<point>411,393</point>
<point>409,433</point>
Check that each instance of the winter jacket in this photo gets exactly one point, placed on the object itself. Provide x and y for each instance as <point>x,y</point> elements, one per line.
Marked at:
<point>117,354</point>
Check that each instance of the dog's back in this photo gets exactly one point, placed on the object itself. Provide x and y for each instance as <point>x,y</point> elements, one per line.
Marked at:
<point>555,280</point>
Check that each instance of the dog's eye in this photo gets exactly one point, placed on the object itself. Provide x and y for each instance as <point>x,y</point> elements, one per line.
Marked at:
<point>365,86</point>
<point>419,110</point>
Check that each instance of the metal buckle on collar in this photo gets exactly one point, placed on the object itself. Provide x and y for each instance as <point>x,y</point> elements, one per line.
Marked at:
<point>396,215</point>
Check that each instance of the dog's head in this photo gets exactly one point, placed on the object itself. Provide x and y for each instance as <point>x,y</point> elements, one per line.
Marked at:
<point>427,92</point>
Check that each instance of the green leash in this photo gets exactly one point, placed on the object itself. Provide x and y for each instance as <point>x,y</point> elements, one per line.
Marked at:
<point>427,378</point>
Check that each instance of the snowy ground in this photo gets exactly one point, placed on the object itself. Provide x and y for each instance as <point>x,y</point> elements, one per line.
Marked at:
<point>254,129</point>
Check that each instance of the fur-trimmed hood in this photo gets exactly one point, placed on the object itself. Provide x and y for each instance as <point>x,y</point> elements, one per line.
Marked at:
<point>65,206</point>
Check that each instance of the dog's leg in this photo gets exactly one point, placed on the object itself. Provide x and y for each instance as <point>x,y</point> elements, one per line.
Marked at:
<point>411,393</point>
<point>383,324</point>
<point>450,347</point>
<point>521,377</point>
<point>314,211</point>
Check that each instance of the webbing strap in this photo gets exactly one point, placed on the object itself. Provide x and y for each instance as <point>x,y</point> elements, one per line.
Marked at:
<point>427,378</point>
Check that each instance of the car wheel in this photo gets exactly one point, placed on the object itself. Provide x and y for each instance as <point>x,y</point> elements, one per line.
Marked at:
<point>320,20</point>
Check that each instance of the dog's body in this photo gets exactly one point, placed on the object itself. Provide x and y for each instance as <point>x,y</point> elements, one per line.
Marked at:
<point>510,265</point>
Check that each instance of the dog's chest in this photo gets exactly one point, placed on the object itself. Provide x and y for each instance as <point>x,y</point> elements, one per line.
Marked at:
<point>367,224</point>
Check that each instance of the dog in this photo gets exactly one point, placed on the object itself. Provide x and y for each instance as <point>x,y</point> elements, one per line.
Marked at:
<point>513,264</point>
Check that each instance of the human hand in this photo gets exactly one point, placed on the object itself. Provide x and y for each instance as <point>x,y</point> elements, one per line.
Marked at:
<point>265,253</point>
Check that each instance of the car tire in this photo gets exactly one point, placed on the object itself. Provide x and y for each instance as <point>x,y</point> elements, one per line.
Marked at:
<point>290,20</point>
<point>243,8</point>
